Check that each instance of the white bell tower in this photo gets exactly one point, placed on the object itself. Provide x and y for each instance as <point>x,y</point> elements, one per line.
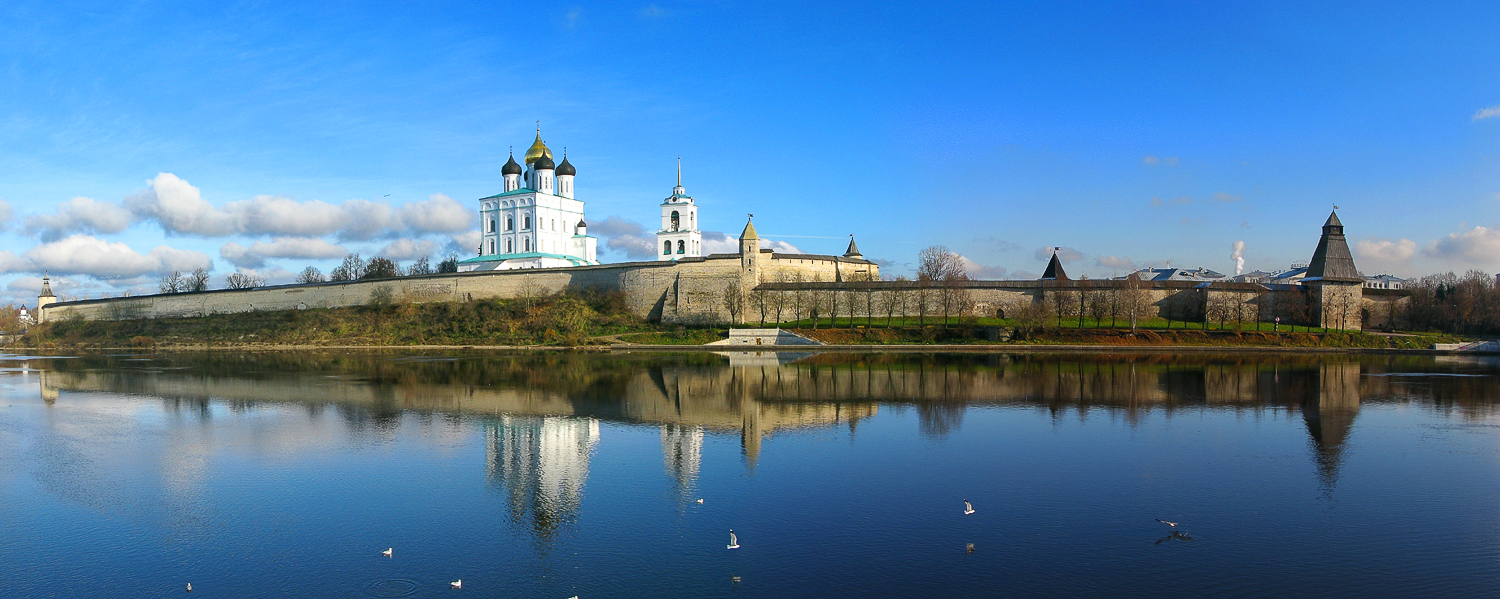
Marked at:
<point>679,236</point>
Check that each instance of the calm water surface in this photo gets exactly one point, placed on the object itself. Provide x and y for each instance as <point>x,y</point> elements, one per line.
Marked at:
<point>554,475</point>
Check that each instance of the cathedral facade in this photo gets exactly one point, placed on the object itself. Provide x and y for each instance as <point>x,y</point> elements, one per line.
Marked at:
<point>536,222</point>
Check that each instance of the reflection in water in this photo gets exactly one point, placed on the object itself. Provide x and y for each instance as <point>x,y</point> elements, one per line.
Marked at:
<point>542,410</point>
<point>542,463</point>
<point>682,451</point>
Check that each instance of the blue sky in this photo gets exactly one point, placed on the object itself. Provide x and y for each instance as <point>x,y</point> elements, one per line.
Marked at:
<point>137,138</point>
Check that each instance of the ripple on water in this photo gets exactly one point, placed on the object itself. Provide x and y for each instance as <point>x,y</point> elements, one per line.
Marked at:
<point>394,587</point>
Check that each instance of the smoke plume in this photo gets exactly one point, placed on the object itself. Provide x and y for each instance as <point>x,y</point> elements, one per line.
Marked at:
<point>1239,257</point>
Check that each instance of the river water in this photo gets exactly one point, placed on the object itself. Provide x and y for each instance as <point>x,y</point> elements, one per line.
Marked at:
<point>551,475</point>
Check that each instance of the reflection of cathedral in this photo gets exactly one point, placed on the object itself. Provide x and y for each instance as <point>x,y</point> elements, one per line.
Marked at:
<point>682,452</point>
<point>542,463</point>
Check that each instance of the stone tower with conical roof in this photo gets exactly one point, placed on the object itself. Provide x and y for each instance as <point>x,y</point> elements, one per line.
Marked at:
<point>44,298</point>
<point>1054,270</point>
<point>750,259</point>
<point>1333,282</point>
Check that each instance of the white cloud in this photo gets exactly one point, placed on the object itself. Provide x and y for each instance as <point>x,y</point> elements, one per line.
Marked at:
<point>409,249</point>
<point>79,215</point>
<point>179,208</point>
<point>1225,197</point>
<point>627,237</point>
<point>276,215</point>
<point>1479,245</point>
<point>86,255</point>
<point>464,244</point>
<point>439,214</point>
<point>1116,262</point>
<point>363,219</point>
<point>10,262</point>
<point>281,247</point>
<point>715,242</point>
<point>980,271</point>
<point>1065,254</point>
<point>775,245</point>
<point>1385,250</point>
<point>5,214</point>
<point>1485,113</point>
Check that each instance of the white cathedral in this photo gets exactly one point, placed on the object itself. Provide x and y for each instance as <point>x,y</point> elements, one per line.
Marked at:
<point>536,222</point>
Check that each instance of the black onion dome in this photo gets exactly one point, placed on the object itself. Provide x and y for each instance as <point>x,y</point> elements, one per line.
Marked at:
<point>544,162</point>
<point>566,168</point>
<point>511,168</point>
<point>581,224</point>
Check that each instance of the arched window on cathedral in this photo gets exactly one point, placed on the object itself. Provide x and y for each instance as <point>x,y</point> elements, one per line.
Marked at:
<point>676,220</point>
<point>510,223</point>
<point>509,248</point>
<point>526,224</point>
<point>527,244</point>
<point>681,247</point>
<point>491,228</point>
<point>492,246</point>
<point>666,247</point>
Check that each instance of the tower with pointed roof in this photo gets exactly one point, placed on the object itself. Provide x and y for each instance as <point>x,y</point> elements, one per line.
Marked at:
<point>1054,270</point>
<point>536,221</point>
<point>679,236</point>
<point>749,253</point>
<point>1332,281</point>
<point>44,298</point>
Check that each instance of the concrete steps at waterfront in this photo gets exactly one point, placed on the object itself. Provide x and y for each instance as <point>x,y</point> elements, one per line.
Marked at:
<point>763,337</point>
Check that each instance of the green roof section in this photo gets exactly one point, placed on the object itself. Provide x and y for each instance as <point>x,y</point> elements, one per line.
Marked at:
<point>523,256</point>
<point>516,192</point>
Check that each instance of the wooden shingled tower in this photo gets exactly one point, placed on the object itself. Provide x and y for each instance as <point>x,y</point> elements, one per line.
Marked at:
<point>1333,281</point>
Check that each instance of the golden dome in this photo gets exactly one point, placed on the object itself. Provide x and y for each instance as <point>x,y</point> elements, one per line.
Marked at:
<point>538,149</point>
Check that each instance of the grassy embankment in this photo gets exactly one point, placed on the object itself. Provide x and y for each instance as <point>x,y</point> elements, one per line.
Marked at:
<point>573,320</point>
<point>930,331</point>
<point>562,321</point>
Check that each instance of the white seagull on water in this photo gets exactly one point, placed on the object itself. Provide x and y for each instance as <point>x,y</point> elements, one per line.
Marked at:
<point>1171,524</point>
<point>968,507</point>
<point>457,584</point>
<point>190,587</point>
<point>734,542</point>
<point>387,552</point>
<point>700,502</point>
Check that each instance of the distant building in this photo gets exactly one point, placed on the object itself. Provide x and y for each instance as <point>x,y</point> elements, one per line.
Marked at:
<point>1384,282</point>
<point>1178,274</point>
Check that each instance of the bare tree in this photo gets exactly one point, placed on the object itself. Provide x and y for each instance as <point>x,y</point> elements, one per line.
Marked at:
<point>351,269</point>
<point>171,282</point>
<point>1134,300</point>
<point>239,280</point>
<point>196,280</point>
<point>420,267</point>
<point>311,274</point>
<point>761,299</point>
<point>734,301</point>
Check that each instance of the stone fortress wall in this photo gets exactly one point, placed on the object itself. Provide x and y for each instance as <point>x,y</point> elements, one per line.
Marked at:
<point>693,291</point>
<point>773,287</point>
